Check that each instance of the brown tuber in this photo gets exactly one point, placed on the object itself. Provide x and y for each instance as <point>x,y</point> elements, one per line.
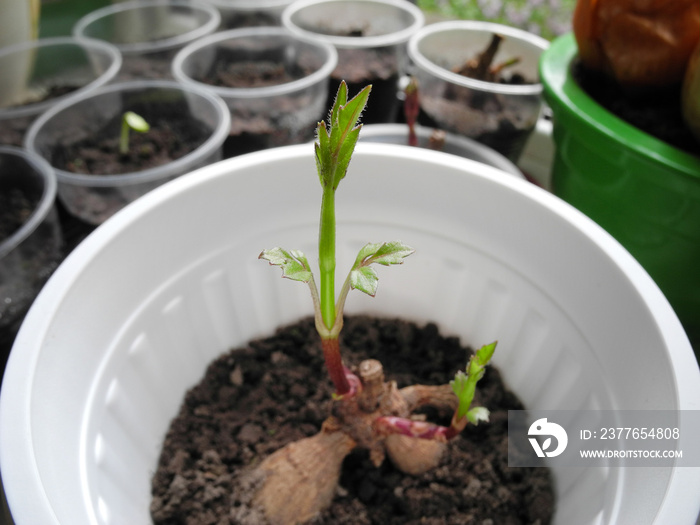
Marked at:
<point>643,44</point>
<point>690,98</point>
<point>301,479</point>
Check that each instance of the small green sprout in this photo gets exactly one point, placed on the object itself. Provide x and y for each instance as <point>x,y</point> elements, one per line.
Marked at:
<point>464,385</point>
<point>131,120</point>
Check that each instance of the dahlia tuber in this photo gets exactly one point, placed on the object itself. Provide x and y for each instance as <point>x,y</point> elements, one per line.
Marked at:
<point>643,44</point>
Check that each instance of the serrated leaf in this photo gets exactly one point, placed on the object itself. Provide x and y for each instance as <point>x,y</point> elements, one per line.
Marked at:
<point>341,99</point>
<point>384,253</point>
<point>350,113</point>
<point>459,383</point>
<point>294,264</point>
<point>345,154</point>
<point>485,353</point>
<point>478,414</point>
<point>364,279</point>
<point>392,253</point>
<point>337,141</point>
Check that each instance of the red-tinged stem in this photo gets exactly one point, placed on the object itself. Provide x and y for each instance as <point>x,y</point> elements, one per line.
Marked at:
<point>411,109</point>
<point>334,365</point>
<point>418,429</point>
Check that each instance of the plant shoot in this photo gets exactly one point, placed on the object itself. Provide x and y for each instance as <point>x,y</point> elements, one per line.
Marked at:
<point>301,478</point>
<point>131,121</point>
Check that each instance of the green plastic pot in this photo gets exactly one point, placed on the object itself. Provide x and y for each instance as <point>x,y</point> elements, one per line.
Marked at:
<point>643,191</point>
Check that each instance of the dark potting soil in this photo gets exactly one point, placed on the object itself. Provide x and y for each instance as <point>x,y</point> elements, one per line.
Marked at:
<point>257,398</point>
<point>25,269</point>
<point>658,116</point>
<point>251,74</point>
<point>253,132</point>
<point>492,119</point>
<point>15,208</point>
<point>169,138</point>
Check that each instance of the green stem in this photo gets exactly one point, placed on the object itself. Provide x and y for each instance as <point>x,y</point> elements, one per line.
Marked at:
<point>124,138</point>
<point>326,256</point>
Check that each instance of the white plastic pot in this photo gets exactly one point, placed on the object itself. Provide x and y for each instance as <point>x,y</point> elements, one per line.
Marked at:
<point>134,315</point>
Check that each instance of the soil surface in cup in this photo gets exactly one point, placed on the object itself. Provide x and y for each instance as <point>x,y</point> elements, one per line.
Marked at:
<point>255,130</point>
<point>15,208</point>
<point>257,398</point>
<point>172,135</point>
<point>485,117</point>
<point>12,130</point>
<point>25,269</point>
<point>660,116</point>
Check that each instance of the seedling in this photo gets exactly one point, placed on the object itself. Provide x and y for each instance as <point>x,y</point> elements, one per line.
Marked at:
<point>301,478</point>
<point>131,121</point>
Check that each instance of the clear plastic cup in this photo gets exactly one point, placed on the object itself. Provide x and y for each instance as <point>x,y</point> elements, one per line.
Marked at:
<point>148,33</point>
<point>450,143</point>
<point>500,115</point>
<point>31,249</point>
<point>370,37</point>
<point>95,197</point>
<point>274,83</point>
<point>38,74</point>
<point>250,13</point>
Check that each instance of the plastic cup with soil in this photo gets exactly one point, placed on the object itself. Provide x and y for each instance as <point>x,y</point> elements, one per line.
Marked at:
<point>30,236</point>
<point>439,140</point>
<point>479,80</point>
<point>250,13</point>
<point>370,37</point>
<point>274,83</point>
<point>149,33</point>
<point>80,139</point>
<point>40,73</point>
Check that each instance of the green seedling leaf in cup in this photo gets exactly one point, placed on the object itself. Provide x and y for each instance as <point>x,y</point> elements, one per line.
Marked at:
<point>131,121</point>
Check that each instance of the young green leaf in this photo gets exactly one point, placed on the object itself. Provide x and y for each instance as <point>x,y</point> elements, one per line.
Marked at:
<point>362,276</point>
<point>136,122</point>
<point>294,263</point>
<point>335,146</point>
<point>464,385</point>
<point>131,120</point>
<point>364,279</point>
<point>478,414</point>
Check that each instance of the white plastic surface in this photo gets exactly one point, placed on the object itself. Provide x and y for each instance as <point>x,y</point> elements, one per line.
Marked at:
<point>136,312</point>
